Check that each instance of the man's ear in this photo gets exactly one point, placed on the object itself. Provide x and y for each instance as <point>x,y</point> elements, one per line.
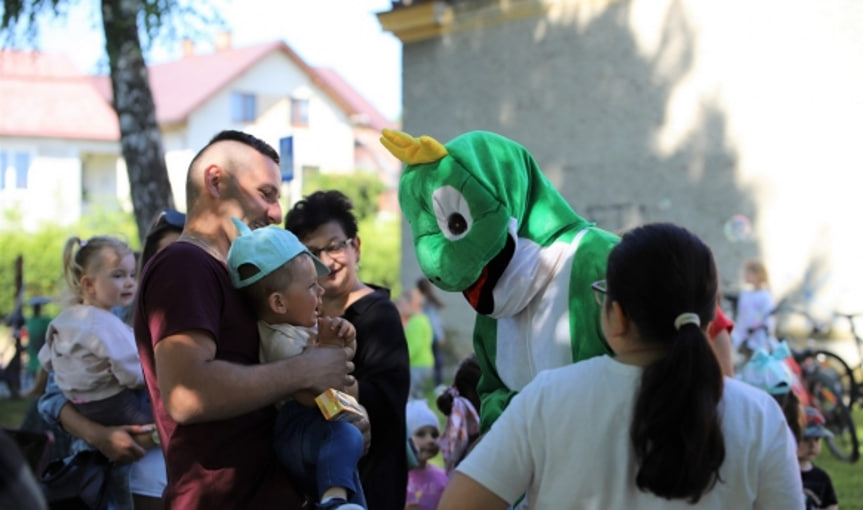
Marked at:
<point>277,303</point>
<point>212,180</point>
<point>357,246</point>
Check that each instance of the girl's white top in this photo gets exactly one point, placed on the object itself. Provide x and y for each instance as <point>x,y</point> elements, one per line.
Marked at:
<point>564,440</point>
<point>92,354</point>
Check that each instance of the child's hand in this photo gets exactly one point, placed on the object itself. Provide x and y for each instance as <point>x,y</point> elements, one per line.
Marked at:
<point>339,332</point>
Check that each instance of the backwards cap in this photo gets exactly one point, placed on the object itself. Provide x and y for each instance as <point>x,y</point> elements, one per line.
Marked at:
<point>267,249</point>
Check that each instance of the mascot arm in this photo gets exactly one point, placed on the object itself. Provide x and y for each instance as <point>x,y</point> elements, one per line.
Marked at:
<point>493,393</point>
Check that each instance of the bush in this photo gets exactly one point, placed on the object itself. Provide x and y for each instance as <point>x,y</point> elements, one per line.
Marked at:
<point>381,253</point>
<point>42,253</point>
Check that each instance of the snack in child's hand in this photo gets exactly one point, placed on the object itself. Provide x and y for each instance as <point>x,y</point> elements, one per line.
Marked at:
<point>337,405</point>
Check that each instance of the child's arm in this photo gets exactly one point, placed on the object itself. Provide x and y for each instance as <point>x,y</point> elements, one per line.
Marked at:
<point>341,333</point>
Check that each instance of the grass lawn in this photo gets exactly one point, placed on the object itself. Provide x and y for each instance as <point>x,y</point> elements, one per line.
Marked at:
<point>847,478</point>
<point>12,412</point>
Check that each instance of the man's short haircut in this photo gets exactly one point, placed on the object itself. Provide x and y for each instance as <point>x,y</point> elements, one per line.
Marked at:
<point>243,138</point>
<point>252,141</point>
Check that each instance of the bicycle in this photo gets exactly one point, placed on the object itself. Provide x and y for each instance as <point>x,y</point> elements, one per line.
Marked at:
<point>826,383</point>
<point>851,381</point>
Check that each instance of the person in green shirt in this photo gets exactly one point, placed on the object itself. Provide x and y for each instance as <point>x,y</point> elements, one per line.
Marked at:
<point>37,326</point>
<point>419,335</point>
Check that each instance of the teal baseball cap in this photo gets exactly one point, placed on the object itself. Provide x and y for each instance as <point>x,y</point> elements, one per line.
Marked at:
<point>267,249</point>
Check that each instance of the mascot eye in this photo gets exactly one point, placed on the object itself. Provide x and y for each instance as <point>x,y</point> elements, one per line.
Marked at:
<point>457,224</point>
<point>452,212</point>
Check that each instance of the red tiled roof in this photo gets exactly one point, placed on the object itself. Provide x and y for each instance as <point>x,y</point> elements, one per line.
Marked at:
<point>354,104</point>
<point>44,95</point>
<point>181,86</point>
<point>51,97</point>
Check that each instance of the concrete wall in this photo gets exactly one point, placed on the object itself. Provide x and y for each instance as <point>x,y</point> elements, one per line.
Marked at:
<point>715,115</point>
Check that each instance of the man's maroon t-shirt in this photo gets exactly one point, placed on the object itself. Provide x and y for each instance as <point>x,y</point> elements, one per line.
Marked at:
<point>219,464</point>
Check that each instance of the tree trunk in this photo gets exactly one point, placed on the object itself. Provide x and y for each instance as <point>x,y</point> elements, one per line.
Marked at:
<point>140,138</point>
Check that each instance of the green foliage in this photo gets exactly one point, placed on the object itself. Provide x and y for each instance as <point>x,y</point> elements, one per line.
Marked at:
<point>160,20</point>
<point>381,252</point>
<point>380,235</point>
<point>43,254</point>
<point>363,188</point>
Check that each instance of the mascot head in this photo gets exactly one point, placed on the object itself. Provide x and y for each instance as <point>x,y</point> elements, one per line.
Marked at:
<point>468,202</point>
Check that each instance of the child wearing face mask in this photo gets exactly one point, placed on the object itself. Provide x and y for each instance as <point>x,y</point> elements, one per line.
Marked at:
<point>426,481</point>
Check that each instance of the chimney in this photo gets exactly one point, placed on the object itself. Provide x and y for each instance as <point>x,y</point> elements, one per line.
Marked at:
<point>188,47</point>
<point>223,40</point>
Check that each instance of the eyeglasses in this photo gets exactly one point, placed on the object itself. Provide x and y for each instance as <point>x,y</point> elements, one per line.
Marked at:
<point>333,250</point>
<point>599,291</point>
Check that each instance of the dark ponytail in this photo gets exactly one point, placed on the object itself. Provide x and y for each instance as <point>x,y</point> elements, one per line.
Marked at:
<point>657,273</point>
<point>464,382</point>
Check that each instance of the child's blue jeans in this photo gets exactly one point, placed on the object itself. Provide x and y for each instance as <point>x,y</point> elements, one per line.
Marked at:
<point>319,454</point>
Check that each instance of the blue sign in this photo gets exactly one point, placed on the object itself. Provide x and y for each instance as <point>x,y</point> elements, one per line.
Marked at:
<point>286,156</point>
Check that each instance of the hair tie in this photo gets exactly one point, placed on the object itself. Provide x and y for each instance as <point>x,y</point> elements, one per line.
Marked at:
<point>686,318</point>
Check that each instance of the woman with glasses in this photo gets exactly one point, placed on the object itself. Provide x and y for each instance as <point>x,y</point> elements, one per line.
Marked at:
<point>656,426</point>
<point>325,223</point>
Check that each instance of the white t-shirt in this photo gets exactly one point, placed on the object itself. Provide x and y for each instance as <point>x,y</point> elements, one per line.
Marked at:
<point>753,311</point>
<point>282,341</point>
<point>564,439</point>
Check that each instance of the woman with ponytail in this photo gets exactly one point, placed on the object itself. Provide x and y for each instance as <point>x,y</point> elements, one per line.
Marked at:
<point>655,426</point>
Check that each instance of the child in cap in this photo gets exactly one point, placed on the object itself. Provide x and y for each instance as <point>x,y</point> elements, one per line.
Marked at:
<point>772,373</point>
<point>280,276</point>
<point>755,323</point>
<point>817,484</point>
<point>426,481</point>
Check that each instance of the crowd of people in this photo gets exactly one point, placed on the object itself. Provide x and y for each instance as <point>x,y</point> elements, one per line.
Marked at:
<point>198,370</point>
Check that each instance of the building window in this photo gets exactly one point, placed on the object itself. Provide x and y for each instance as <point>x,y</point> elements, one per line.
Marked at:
<point>244,107</point>
<point>14,169</point>
<point>299,112</point>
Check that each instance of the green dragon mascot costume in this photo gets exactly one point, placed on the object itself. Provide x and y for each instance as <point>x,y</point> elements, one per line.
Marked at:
<point>487,223</point>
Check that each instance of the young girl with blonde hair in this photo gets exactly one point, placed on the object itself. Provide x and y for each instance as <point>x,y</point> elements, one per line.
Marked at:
<point>755,324</point>
<point>94,358</point>
<point>91,351</point>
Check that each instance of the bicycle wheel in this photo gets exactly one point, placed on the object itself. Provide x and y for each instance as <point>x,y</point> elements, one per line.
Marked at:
<point>826,395</point>
<point>849,390</point>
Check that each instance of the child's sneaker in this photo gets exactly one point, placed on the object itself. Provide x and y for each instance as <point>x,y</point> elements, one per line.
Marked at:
<point>338,503</point>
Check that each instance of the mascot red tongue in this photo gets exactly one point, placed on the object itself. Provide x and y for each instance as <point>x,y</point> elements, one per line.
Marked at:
<point>486,222</point>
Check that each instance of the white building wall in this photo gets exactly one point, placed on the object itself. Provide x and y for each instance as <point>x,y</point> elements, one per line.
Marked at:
<point>54,188</point>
